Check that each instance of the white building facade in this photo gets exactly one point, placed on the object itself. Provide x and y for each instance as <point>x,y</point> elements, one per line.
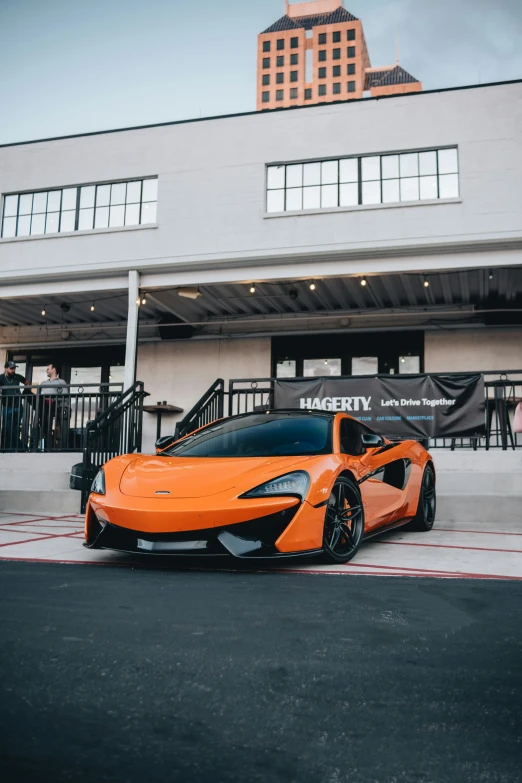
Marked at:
<point>367,235</point>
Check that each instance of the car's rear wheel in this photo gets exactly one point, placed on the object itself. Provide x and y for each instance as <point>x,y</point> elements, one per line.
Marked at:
<point>343,522</point>
<point>425,516</point>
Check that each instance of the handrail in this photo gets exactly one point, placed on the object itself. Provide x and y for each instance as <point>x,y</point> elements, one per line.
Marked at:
<point>104,416</point>
<point>201,410</point>
<point>116,430</point>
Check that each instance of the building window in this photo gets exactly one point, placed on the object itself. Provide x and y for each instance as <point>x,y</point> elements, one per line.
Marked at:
<point>266,62</point>
<point>337,36</point>
<point>351,86</point>
<point>351,34</point>
<point>372,179</point>
<point>313,368</point>
<point>265,97</point>
<point>286,369</point>
<point>322,73</point>
<point>280,61</point>
<point>351,69</point>
<point>322,38</point>
<point>336,70</point>
<point>266,46</point>
<point>279,95</point>
<point>322,89</point>
<point>337,54</point>
<point>294,59</point>
<point>294,43</point>
<point>280,77</point>
<point>80,208</point>
<point>293,76</point>
<point>336,88</point>
<point>293,93</point>
<point>322,55</point>
<point>308,94</point>
<point>280,44</point>
<point>266,79</point>
<point>351,51</point>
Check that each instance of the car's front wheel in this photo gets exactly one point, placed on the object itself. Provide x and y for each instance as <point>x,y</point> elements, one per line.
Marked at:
<point>344,522</point>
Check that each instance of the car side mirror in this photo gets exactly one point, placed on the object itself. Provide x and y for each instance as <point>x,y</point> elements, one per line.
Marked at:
<point>165,441</point>
<point>372,441</point>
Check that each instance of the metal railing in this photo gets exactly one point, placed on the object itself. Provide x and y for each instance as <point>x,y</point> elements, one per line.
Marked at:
<point>502,393</point>
<point>503,390</point>
<point>116,430</point>
<point>51,418</point>
<point>207,409</point>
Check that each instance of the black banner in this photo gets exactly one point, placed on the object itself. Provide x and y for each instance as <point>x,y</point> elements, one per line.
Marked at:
<point>419,406</point>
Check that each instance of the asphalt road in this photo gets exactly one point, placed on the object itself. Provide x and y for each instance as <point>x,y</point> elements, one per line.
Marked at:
<point>115,674</point>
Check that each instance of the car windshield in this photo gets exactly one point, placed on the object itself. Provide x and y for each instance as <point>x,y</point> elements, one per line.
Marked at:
<point>259,435</point>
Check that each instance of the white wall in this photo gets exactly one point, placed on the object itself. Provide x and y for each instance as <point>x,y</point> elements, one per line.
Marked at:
<point>181,372</point>
<point>477,349</point>
<point>212,182</point>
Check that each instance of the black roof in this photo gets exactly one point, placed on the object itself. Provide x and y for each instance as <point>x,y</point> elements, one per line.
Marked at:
<point>335,17</point>
<point>388,77</point>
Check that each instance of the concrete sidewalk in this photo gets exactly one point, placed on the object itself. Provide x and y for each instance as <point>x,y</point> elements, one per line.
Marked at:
<point>476,551</point>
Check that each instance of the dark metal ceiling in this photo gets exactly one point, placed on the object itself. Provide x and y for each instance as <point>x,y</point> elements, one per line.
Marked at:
<point>280,305</point>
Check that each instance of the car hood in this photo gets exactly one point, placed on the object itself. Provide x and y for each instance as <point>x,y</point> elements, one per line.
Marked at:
<point>180,477</point>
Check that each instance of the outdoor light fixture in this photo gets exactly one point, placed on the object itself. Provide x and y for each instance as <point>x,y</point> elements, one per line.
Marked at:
<point>189,293</point>
<point>144,300</point>
<point>92,308</point>
<point>252,289</point>
<point>43,311</point>
<point>426,283</point>
<point>363,281</point>
<point>491,275</point>
<point>312,286</point>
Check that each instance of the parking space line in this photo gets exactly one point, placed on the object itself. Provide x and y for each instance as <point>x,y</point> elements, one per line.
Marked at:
<point>476,532</point>
<point>40,538</point>
<point>448,546</point>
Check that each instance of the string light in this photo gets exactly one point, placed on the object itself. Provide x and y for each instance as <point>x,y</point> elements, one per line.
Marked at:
<point>312,286</point>
<point>363,281</point>
<point>491,275</point>
<point>426,283</point>
<point>43,310</point>
<point>92,308</point>
<point>144,300</point>
<point>252,289</point>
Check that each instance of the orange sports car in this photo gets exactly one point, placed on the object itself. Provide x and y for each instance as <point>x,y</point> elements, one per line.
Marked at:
<point>279,483</point>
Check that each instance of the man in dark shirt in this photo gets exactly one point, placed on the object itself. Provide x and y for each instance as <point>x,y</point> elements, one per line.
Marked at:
<point>11,407</point>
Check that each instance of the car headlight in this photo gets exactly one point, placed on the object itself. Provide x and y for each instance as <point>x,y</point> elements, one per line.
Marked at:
<point>98,485</point>
<point>291,484</point>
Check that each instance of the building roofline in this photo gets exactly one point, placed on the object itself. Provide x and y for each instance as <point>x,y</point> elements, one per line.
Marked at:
<point>262,113</point>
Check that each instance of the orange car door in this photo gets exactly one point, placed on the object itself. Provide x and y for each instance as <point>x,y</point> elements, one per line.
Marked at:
<point>382,500</point>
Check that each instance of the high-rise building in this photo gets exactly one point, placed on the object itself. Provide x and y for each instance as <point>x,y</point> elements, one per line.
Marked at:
<point>317,52</point>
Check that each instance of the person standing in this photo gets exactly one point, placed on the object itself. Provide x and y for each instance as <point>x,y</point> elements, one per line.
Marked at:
<point>11,407</point>
<point>53,406</point>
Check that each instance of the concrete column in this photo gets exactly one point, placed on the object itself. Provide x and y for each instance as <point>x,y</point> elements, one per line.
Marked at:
<point>131,347</point>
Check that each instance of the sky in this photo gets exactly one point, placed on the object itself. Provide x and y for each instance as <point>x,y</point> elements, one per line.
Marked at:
<point>75,66</point>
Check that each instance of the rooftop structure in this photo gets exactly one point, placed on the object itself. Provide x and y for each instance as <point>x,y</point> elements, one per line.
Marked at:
<point>316,53</point>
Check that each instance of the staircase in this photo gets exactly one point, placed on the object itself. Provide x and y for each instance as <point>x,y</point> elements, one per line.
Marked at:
<point>38,483</point>
<point>483,486</point>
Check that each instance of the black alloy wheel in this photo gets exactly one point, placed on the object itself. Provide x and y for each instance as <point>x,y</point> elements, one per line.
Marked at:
<point>344,522</point>
<point>425,516</point>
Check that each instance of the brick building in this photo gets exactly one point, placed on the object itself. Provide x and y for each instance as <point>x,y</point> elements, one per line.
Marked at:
<point>316,53</point>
